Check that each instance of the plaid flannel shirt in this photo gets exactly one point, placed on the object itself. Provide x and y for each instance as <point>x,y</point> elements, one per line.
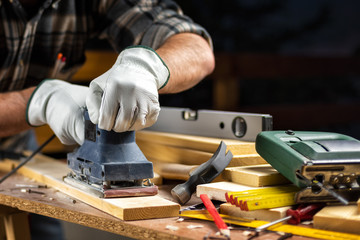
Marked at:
<point>29,45</point>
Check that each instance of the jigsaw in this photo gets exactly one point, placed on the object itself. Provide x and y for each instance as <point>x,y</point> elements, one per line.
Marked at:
<point>326,165</point>
<point>110,164</point>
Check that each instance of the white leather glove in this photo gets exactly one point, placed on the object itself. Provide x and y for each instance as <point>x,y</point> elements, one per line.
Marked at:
<point>126,97</point>
<point>60,105</point>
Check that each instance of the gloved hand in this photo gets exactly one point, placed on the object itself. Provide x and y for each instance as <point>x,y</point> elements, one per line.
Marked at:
<point>60,105</point>
<point>126,96</point>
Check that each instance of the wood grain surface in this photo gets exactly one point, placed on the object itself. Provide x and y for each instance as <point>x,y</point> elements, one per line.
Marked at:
<point>255,176</point>
<point>50,172</point>
<point>55,204</point>
<point>205,144</point>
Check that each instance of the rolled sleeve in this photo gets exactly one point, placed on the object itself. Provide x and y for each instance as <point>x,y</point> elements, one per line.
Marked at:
<point>169,24</point>
<point>145,22</point>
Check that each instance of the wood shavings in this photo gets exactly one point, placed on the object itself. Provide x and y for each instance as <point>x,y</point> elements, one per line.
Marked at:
<point>307,222</point>
<point>172,228</point>
<point>194,226</point>
<point>247,233</point>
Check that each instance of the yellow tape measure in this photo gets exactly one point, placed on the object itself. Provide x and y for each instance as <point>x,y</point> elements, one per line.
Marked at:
<point>286,228</point>
<point>263,198</point>
<point>271,201</point>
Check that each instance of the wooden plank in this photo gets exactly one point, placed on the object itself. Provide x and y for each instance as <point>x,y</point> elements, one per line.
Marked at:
<point>338,218</point>
<point>246,160</point>
<point>56,204</point>
<point>217,190</point>
<point>255,176</point>
<point>171,154</point>
<point>261,214</point>
<point>182,155</point>
<point>48,171</point>
<point>205,144</point>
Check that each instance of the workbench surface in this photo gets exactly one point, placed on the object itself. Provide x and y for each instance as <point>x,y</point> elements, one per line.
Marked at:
<point>57,205</point>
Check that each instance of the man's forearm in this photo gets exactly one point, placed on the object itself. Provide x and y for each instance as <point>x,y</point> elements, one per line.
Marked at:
<point>189,59</point>
<point>12,112</point>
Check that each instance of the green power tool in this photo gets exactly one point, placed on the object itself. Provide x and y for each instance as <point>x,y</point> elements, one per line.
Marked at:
<point>326,165</point>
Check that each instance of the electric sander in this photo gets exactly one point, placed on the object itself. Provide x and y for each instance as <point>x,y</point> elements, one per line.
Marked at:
<point>110,164</point>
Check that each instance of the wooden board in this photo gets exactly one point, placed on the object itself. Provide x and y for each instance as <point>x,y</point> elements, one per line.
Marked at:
<point>246,160</point>
<point>262,214</point>
<point>55,204</point>
<point>173,154</point>
<point>338,218</point>
<point>217,190</point>
<point>181,155</point>
<point>255,176</point>
<point>48,171</point>
<point>205,144</point>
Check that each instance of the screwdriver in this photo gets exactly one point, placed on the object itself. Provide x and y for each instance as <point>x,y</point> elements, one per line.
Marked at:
<point>295,216</point>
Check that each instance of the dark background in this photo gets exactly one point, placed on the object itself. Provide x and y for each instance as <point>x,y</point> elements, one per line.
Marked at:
<point>322,29</point>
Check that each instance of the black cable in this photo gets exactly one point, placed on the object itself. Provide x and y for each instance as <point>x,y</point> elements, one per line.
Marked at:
<point>27,159</point>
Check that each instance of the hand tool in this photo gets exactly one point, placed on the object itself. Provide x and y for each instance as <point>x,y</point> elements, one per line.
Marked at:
<point>263,198</point>
<point>27,159</point>
<point>211,123</point>
<point>295,216</point>
<point>221,225</point>
<point>110,164</point>
<point>205,173</point>
<point>326,165</point>
<point>286,228</point>
<point>201,206</point>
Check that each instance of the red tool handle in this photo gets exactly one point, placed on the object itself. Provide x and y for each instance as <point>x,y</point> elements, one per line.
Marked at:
<point>303,212</point>
<point>214,213</point>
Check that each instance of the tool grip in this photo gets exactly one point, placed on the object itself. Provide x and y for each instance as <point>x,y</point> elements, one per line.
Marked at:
<point>205,173</point>
<point>303,212</point>
<point>182,192</point>
<point>221,225</point>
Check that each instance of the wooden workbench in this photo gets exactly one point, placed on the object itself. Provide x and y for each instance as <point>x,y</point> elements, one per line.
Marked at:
<point>60,206</point>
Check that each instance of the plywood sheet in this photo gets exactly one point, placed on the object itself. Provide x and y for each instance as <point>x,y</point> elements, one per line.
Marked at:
<point>48,171</point>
